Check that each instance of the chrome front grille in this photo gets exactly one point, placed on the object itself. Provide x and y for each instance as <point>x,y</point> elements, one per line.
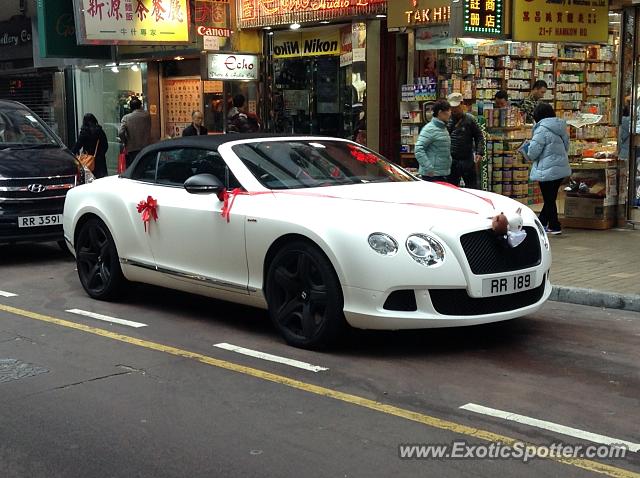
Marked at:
<point>17,190</point>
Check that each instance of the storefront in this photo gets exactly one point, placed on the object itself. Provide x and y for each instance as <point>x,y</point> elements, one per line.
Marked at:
<point>318,63</point>
<point>475,51</point>
<point>39,88</point>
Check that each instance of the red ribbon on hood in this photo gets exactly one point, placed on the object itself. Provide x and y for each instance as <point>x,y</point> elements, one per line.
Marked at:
<point>228,199</point>
<point>148,209</point>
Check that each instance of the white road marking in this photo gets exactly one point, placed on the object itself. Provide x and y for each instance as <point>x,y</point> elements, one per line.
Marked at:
<point>106,318</point>
<point>271,358</point>
<point>554,427</point>
<point>7,294</point>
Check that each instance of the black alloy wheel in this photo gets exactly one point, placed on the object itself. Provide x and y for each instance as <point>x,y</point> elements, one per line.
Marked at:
<point>98,262</point>
<point>304,296</point>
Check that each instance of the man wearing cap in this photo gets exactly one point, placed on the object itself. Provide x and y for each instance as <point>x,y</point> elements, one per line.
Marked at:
<point>467,143</point>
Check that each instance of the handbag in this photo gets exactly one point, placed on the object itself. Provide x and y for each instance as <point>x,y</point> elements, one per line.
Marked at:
<point>89,160</point>
<point>122,161</point>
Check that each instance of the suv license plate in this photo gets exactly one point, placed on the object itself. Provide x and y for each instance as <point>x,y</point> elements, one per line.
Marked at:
<point>508,284</point>
<point>37,221</point>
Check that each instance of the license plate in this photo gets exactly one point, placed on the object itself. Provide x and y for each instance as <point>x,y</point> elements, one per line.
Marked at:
<point>508,284</point>
<point>37,221</point>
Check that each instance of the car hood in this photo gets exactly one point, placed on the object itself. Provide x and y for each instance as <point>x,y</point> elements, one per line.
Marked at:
<point>421,201</point>
<point>37,162</point>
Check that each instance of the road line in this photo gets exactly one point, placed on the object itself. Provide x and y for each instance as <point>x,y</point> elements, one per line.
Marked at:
<point>392,410</point>
<point>270,358</point>
<point>106,318</point>
<point>7,294</point>
<point>554,427</point>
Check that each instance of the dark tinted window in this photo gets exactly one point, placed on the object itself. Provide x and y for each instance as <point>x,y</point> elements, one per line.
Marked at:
<point>20,126</point>
<point>177,165</point>
<point>292,164</point>
<point>146,168</point>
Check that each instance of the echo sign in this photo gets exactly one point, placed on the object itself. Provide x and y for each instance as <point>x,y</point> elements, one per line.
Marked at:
<point>224,66</point>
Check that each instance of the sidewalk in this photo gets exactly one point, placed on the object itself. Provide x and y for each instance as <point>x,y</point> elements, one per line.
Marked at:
<point>597,268</point>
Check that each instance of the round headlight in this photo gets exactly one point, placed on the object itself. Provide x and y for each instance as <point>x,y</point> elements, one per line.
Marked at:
<point>383,243</point>
<point>425,249</point>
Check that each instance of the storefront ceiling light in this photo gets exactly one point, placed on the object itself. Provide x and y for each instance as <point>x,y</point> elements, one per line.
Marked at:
<point>134,68</point>
<point>380,15</point>
<point>92,66</point>
<point>325,22</point>
<point>115,69</point>
<point>295,26</point>
<point>267,28</point>
<point>270,33</point>
<point>178,58</point>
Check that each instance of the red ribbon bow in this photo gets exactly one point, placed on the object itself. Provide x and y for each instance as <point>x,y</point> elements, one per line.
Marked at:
<point>148,209</point>
<point>228,198</point>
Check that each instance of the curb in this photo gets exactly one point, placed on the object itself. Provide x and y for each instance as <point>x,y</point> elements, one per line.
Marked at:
<point>596,298</point>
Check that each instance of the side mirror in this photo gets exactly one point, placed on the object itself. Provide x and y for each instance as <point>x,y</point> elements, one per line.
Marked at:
<point>203,184</point>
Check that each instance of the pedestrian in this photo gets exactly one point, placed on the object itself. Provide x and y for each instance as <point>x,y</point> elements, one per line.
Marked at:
<point>624,131</point>
<point>467,143</point>
<point>195,128</point>
<point>135,129</point>
<point>529,104</point>
<point>548,150</point>
<point>239,121</point>
<point>433,148</point>
<point>93,140</point>
<point>501,99</point>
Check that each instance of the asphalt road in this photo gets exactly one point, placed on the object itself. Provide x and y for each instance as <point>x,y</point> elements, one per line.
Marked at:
<point>81,397</point>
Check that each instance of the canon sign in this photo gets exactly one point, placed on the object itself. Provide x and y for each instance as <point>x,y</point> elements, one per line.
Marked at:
<point>223,66</point>
<point>213,32</point>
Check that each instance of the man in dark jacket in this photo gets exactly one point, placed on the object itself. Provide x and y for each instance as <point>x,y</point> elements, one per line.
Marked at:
<point>195,128</point>
<point>467,143</point>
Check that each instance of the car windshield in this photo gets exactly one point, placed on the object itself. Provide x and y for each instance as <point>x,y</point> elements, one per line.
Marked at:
<point>19,127</point>
<point>293,164</point>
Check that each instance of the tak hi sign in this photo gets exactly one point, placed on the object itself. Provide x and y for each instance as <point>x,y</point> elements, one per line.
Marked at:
<point>418,13</point>
<point>585,21</point>
<point>133,22</point>
<point>311,43</point>
<point>224,66</point>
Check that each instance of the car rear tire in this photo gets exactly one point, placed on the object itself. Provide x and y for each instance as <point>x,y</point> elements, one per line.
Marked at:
<point>98,262</point>
<point>305,298</point>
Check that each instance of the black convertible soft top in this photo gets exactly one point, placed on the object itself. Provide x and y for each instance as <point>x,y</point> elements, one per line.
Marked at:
<point>213,141</point>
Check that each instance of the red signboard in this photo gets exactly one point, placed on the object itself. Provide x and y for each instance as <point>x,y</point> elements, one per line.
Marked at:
<point>256,13</point>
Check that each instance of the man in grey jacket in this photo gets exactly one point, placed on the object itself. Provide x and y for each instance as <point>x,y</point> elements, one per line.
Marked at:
<point>135,129</point>
<point>467,143</point>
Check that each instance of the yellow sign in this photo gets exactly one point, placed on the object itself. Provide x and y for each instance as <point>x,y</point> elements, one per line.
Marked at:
<point>132,21</point>
<point>584,21</point>
<point>309,43</point>
<point>418,13</point>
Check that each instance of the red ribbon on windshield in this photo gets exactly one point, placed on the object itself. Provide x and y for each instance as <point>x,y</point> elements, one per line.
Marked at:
<point>148,209</point>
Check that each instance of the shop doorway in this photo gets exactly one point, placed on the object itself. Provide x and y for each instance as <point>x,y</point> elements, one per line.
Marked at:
<point>311,96</point>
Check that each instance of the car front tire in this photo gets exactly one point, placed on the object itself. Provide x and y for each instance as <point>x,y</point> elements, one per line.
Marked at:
<point>98,262</point>
<point>304,297</point>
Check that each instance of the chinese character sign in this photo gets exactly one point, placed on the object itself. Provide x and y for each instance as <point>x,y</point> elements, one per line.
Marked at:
<point>132,21</point>
<point>585,21</point>
<point>483,17</point>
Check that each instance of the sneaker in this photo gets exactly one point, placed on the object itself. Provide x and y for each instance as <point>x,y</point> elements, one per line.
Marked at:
<point>554,232</point>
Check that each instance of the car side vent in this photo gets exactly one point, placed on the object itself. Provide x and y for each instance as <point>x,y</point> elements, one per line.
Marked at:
<point>403,300</point>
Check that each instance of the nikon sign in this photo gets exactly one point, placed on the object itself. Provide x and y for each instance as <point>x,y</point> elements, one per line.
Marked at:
<point>310,43</point>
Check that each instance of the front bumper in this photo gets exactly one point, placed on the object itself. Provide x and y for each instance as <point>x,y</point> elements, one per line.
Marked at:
<point>364,309</point>
<point>11,233</point>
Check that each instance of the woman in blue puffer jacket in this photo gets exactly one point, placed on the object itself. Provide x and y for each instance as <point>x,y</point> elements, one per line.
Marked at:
<point>548,151</point>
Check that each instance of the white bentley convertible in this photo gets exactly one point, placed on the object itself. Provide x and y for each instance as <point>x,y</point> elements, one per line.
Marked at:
<point>320,231</point>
